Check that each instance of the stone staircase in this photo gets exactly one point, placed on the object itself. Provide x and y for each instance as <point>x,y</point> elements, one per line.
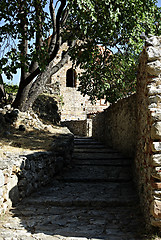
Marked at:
<point>94,198</point>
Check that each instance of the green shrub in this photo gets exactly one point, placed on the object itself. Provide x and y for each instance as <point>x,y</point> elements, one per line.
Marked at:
<point>10,88</point>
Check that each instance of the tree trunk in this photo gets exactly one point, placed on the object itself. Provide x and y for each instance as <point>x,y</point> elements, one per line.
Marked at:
<point>35,90</point>
<point>21,96</point>
<point>33,84</point>
<point>2,90</point>
<point>38,85</point>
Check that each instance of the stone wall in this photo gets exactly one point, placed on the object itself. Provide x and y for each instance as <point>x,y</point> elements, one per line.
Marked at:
<point>116,126</point>
<point>47,108</point>
<point>133,126</point>
<point>21,174</point>
<point>148,154</point>
<point>78,127</point>
<point>74,105</point>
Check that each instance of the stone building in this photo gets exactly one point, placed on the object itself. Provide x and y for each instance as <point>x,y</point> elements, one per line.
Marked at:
<point>65,82</point>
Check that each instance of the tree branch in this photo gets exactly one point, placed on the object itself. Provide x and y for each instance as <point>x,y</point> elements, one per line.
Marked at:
<point>65,16</point>
<point>58,29</point>
<point>36,71</point>
<point>52,69</point>
<point>38,41</point>
<point>53,19</point>
<point>24,42</point>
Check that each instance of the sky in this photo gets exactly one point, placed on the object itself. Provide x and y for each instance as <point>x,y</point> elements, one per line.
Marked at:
<point>159,3</point>
<point>16,77</point>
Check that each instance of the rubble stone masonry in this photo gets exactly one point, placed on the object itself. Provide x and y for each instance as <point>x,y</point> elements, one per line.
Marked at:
<point>133,126</point>
<point>74,106</point>
<point>26,170</point>
<point>148,151</point>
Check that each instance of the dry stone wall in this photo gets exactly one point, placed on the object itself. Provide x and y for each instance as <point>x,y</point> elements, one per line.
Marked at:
<point>21,174</point>
<point>133,126</point>
<point>116,126</point>
<point>78,127</point>
<point>148,154</point>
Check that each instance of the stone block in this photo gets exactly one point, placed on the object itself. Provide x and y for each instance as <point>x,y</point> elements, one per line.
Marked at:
<point>155,222</point>
<point>155,209</point>
<point>1,178</point>
<point>15,169</point>
<point>156,131</point>
<point>154,90</point>
<point>6,206</point>
<point>156,160</point>
<point>157,193</point>
<point>22,183</point>
<point>1,201</point>
<point>153,53</point>
<point>154,68</point>
<point>156,173</point>
<point>156,146</point>
<point>152,105</point>
<point>156,185</point>
<point>154,99</point>
<point>12,189</point>
<point>154,41</point>
<point>1,192</point>
<point>156,114</point>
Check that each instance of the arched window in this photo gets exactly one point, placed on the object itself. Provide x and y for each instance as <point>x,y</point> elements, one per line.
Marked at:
<point>71,78</point>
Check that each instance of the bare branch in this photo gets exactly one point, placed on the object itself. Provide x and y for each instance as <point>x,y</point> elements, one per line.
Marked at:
<point>59,16</point>
<point>53,19</point>
<point>24,42</point>
<point>57,3</point>
<point>52,68</point>
<point>65,16</point>
<point>58,29</point>
<point>38,41</point>
<point>38,10</point>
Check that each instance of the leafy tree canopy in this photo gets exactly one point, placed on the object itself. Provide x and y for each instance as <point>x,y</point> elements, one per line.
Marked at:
<point>20,21</point>
<point>108,48</point>
<point>116,25</point>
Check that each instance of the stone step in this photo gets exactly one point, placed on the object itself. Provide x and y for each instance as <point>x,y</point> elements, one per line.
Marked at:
<point>85,194</point>
<point>89,142</point>
<point>93,150</point>
<point>89,146</point>
<point>96,173</point>
<point>95,155</point>
<point>58,223</point>
<point>92,200</point>
<point>77,138</point>
<point>103,162</point>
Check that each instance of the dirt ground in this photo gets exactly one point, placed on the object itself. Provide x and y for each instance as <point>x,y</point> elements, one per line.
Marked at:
<point>31,139</point>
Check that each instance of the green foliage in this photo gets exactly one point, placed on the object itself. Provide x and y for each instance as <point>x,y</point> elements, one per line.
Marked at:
<point>115,25</point>
<point>9,88</point>
<point>20,22</point>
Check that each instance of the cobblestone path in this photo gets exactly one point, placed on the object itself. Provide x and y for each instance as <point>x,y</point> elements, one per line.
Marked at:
<point>93,199</point>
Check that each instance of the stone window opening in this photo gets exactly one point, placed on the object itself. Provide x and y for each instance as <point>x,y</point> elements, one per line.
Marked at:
<point>63,53</point>
<point>71,78</point>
